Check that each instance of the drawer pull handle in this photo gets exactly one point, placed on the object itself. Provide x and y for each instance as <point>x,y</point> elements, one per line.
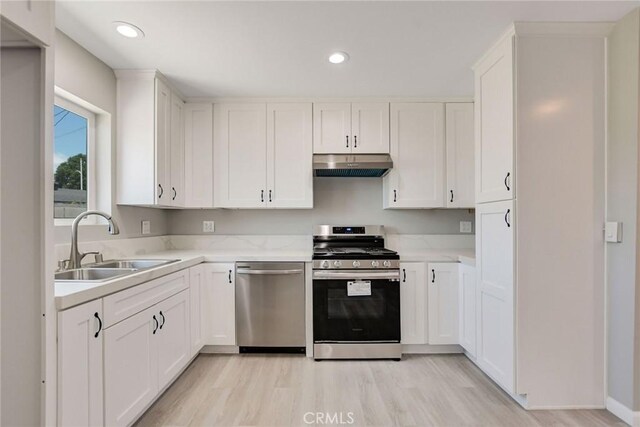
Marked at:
<point>506,217</point>
<point>506,178</point>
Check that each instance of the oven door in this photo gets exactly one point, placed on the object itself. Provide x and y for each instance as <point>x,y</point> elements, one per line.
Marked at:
<point>356,306</point>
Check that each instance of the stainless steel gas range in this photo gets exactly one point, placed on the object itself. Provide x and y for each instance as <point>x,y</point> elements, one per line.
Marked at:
<point>356,294</point>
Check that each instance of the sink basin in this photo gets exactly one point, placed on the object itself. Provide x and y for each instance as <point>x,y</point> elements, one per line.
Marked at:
<point>92,274</point>
<point>138,264</point>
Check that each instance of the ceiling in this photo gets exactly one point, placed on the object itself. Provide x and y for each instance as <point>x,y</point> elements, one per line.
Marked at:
<point>268,48</point>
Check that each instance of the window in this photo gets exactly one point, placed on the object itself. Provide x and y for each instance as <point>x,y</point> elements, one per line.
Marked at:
<point>73,160</point>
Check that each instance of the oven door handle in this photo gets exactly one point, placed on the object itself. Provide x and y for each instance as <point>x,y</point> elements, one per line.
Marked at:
<point>267,272</point>
<point>373,275</point>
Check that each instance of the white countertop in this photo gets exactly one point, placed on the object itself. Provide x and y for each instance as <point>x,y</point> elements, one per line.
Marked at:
<point>70,294</point>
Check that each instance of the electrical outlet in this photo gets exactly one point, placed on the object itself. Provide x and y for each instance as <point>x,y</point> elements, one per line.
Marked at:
<point>208,227</point>
<point>465,226</point>
<point>146,227</point>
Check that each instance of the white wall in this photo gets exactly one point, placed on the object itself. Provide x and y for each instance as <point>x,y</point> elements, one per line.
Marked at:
<point>80,73</point>
<point>336,201</point>
<point>622,205</point>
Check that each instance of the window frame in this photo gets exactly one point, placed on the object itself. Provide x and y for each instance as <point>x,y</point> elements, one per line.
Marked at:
<point>90,116</point>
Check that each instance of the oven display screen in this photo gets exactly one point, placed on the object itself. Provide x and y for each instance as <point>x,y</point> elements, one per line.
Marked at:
<point>348,230</point>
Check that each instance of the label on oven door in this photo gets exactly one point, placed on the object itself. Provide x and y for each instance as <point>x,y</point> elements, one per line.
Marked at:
<point>359,288</point>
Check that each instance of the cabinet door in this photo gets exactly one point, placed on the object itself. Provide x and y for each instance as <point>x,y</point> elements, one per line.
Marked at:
<point>198,147</point>
<point>163,144</point>
<point>218,304</point>
<point>460,158</point>
<point>240,155</point>
<point>130,367</point>
<point>196,283</point>
<point>173,337</point>
<point>495,178</point>
<point>413,303</point>
<point>417,150</point>
<point>370,127</point>
<point>289,155</point>
<point>80,365</point>
<point>495,223</point>
<point>467,307</point>
<point>177,151</point>
<point>332,128</point>
<point>443,303</point>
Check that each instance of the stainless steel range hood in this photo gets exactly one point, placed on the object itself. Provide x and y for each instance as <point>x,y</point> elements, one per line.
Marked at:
<point>352,165</point>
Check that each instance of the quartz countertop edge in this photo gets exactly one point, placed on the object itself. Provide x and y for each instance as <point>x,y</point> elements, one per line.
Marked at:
<point>463,256</point>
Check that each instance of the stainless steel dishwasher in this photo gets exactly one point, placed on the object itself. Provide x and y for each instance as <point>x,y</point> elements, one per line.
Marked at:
<point>270,307</point>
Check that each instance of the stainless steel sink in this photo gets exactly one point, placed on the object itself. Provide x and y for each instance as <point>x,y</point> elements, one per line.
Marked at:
<point>138,264</point>
<point>92,274</point>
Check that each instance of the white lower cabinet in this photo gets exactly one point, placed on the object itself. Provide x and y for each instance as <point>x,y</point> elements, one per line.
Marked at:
<point>413,302</point>
<point>218,304</point>
<point>80,364</point>
<point>467,306</point>
<point>442,279</point>
<point>173,337</point>
<point>196,282</point>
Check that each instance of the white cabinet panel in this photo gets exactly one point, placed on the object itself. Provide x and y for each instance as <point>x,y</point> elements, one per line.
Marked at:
<point>198,145</point>
<point>370,127</point>
<point>417,150</point>
<point>460,156</point>
<point>442,295</point>
<point>176,151</point>
<point>332,127</point>
<point>467,307</point>
<point>196,283</point>
<point>173,336</point>
<point>80,364</point>
<point>130,367</point>
<point>495,177</point>
<point>218,304</point>
<point>163,143</point>
<point>413,302</point>
<point>289,155</point>
<point>495,269</point>
<point>240,155</point>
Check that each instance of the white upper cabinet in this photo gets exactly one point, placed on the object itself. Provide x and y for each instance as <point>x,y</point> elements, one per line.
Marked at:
<point>417,150</point>
<point>263,155</point>
<point>289,155</point>
<point>150,152</point>
<point>460,155</point>
<point>442,279</point>
<point>413,303</point>
<point>198,151</point>
<point>495,223</point>
<point>370,127</point>
<point>343,127</point>
<point>494,104</point>
<point>240,155</point>
<point>80,364</point>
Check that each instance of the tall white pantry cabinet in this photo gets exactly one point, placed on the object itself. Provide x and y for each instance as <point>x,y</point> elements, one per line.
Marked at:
<point>540,133</point>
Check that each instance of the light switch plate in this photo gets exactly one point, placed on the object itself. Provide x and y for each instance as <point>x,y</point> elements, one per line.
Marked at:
<point>465,226</point>
<point>146,227</point>
<point>613,232</point>
<point>208,226</point>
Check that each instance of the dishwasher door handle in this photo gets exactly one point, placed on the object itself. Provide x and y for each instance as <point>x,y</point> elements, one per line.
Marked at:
<point>267,272</point>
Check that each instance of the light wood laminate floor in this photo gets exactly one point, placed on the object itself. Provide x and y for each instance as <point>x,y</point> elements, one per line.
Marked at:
<point>421,390</point>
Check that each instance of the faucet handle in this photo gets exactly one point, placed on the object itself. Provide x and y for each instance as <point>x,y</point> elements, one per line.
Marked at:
<point>98,257</point>
<point>97,254</point>
<point>63,264</point>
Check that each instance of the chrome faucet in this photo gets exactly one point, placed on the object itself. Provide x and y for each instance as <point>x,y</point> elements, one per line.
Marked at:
<point>75,258</point>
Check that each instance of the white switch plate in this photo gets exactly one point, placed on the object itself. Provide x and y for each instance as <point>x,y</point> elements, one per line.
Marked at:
<point>613,232</point>
<point>146,227</point>
<point>208,227</point>
<point>465,226</point>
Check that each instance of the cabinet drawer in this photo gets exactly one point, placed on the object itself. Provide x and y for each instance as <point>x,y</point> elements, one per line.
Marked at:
<point>121,305</point>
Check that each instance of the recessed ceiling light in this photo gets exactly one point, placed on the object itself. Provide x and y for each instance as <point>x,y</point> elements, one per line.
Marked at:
<point>128,30</point>
<point>338,57</point>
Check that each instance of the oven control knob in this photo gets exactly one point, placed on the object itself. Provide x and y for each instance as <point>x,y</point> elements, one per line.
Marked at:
<point>337,263</point>
<point>356,264</point>
<point>324,264</point>
<point>375,264</point>
<point>387,264</point>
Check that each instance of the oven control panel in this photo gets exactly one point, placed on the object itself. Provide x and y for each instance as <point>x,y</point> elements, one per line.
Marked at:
<point>356,264</point>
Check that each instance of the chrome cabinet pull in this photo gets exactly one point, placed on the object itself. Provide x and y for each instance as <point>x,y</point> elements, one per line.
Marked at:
<point>506,218</point>
<point>99,324</point>
<point>506,178</point>
<point>161,191</point>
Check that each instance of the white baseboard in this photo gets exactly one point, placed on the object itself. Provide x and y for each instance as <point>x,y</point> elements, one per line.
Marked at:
<point>431,349</point>
<point>621,411</point>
